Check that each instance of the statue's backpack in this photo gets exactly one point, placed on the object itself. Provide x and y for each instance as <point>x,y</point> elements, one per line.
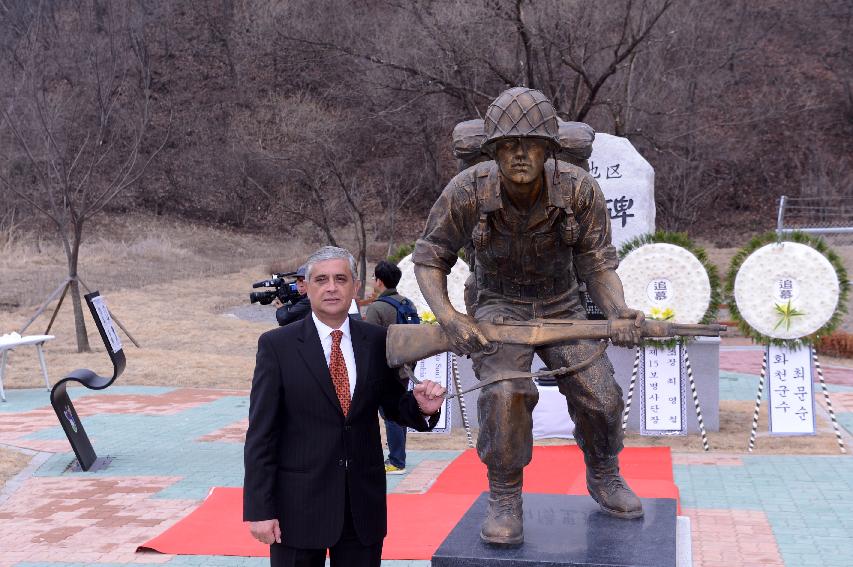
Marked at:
<point>575,141</point>
<point>576,146</point>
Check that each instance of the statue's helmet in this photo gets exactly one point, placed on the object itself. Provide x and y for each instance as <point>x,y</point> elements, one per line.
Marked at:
<point>521,112</point>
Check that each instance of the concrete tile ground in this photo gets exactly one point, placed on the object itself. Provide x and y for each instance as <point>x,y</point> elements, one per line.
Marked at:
<point>169,446</point>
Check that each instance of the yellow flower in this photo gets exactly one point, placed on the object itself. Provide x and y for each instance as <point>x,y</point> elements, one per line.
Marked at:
<point>786,313</point>
<point>428,318</point>
<point>659,314</point>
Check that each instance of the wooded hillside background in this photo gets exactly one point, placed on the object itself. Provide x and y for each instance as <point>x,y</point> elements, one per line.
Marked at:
<point>282,115</point>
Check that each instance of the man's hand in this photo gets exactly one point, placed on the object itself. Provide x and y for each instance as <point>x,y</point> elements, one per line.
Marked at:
<point>429,396</point>
<point>266,531</point>
<point>464,333</point>
<point>628,335</point>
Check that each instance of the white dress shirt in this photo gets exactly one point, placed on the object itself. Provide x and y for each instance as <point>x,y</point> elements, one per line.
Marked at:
<point>325,333</point>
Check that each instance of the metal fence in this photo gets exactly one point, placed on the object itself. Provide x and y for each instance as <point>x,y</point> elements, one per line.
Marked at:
<point>815,215</point>
<point>829,218</point>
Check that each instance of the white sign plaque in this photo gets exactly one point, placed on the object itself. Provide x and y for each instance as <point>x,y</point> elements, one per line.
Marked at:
<point>438,368</point>
<point>100,305</point>
<point>663,391</point>
<point>790,394</point>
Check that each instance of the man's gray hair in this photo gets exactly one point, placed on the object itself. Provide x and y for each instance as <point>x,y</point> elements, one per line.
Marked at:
<point>329,253</point>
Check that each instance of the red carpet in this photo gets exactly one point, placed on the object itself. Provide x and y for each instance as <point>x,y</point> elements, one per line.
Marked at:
<point>214,528</point>
<point>418,523</point>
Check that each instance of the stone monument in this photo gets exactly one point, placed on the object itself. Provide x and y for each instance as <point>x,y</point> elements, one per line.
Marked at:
<point>628,183</point>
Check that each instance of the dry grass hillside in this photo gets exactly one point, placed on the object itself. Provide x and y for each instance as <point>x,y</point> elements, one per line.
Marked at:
<point>133,251</point>
<point>169,283</point>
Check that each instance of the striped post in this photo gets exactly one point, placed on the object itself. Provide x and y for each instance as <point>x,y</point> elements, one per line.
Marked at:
<point>758,401</point>
<point>634,372</point>
<point>462,411</point>
<point>699,419</point>
<point>828,402</point>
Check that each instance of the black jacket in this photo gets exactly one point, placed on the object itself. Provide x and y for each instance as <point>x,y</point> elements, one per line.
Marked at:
<point>291,312</point>
<point>301,452</point>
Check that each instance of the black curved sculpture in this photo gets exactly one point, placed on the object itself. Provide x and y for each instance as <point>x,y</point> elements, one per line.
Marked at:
<point>59,399</point>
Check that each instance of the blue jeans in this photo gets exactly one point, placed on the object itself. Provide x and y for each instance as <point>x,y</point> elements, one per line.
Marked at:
<point>396,435</point>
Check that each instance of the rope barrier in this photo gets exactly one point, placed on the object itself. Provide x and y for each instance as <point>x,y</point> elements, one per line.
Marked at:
<point>758,401</point>
<point>631,389</point>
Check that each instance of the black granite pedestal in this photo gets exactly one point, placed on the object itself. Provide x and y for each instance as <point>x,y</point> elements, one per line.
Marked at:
<point>567,531</point>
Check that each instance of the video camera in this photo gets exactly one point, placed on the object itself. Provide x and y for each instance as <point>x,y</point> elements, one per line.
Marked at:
<point>285,289</point>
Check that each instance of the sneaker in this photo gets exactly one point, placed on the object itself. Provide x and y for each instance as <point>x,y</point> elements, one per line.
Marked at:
<point>391,469</point>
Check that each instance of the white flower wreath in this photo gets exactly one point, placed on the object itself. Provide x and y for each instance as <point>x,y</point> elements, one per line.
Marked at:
<point>666,281</point>
<point>786,290</point>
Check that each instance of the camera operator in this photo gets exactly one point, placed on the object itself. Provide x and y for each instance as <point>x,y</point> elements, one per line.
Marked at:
<point>298,310</point>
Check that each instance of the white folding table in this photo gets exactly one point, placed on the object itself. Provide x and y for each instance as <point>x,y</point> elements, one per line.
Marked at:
<point>12,341</point>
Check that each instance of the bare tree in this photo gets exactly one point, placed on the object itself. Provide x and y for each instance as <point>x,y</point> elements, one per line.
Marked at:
<point>302,198</point>
<point>299,155</point>
<point>356,194</point>
<point>721,98</point>
<point>395,189</point>
<point>571,55</point>
<point>81,124</point>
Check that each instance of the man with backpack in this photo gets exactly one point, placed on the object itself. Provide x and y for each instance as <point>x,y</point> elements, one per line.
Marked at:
<point>391,308</point>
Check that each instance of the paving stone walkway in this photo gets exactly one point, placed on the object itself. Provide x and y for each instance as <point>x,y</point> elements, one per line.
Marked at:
<point>170,446</point>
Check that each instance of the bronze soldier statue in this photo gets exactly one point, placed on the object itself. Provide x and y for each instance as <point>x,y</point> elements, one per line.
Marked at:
<point>532,228</point>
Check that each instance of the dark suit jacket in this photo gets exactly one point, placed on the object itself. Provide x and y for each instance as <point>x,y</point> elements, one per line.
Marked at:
<point>301,453</point>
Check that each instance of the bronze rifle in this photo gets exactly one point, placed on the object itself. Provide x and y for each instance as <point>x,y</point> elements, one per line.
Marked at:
<point>407,344</point>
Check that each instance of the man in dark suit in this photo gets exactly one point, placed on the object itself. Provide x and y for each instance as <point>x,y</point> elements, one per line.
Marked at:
<point>315,478</point>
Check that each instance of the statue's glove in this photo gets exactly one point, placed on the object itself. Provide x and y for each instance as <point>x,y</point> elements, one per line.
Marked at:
<point>628,335</point>
<point>464,334</point>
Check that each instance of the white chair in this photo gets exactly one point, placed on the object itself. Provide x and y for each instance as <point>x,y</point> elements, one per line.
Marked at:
<point>14,340</point>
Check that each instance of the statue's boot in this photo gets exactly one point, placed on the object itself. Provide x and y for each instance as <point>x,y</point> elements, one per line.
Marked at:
<point>504,523</point>
<point>608,488</point>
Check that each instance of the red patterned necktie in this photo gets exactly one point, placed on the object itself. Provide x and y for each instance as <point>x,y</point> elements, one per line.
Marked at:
<point>338,370</point>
